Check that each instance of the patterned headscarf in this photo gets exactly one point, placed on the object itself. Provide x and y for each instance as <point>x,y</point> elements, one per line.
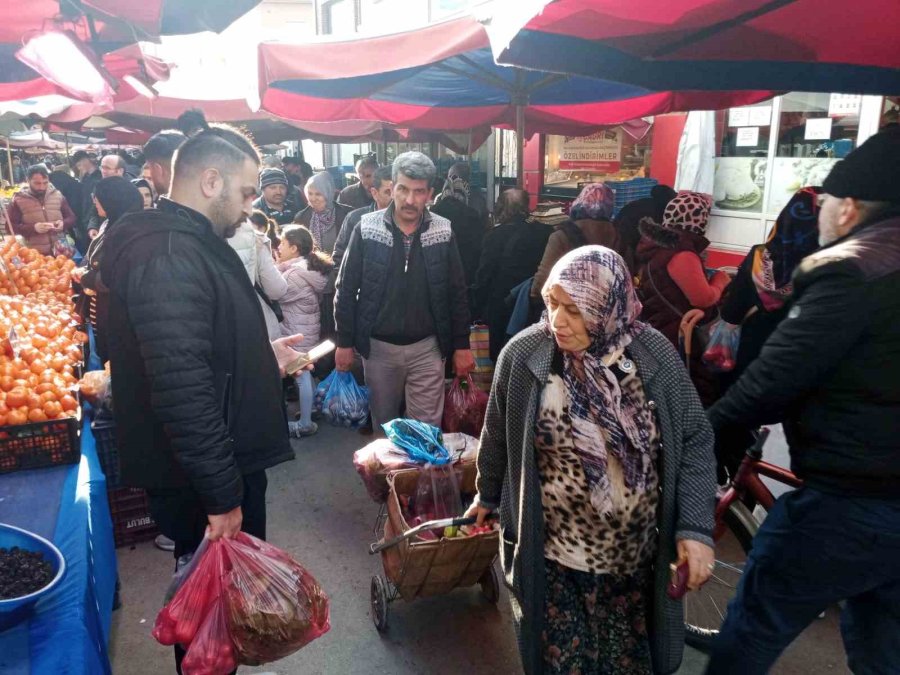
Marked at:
<point>605,419</point>
<point>456,188</point>
<point>688,211</point>
<point>596,202</point>
<point>794,237</point>
<point>322,221</point>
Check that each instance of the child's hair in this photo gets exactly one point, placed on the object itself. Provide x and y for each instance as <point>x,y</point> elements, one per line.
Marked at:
<point>265,225</point>
<point>301,237</point>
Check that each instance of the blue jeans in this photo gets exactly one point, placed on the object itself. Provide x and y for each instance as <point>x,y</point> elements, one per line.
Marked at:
<point>813,550</point>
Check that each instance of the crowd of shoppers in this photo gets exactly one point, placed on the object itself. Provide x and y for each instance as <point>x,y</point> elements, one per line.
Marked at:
<point>207,275</point>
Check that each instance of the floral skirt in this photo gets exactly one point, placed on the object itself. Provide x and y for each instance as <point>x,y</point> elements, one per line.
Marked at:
<point>595,624</point>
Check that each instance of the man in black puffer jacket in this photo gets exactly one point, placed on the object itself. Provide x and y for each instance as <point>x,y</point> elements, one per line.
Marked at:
<point>196,384</point>
<point>831,373</point>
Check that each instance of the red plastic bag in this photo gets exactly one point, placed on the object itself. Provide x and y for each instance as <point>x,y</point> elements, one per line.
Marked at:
<point>721,351</point>
<point>241,601</point>
<point>464,407</point>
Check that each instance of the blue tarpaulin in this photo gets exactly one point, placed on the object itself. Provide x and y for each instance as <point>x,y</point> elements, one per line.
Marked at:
<point>68,634</point>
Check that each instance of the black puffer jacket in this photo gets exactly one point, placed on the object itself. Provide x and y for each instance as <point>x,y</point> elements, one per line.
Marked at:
<point>195,382</point>
<point>831,370</point>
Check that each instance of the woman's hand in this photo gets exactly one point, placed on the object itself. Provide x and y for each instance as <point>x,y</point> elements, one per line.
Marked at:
<point>77,273</point>
<point>479,512</point>
<point>701,561</point>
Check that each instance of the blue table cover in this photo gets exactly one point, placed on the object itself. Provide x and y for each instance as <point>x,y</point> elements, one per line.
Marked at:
<point>68,633</point>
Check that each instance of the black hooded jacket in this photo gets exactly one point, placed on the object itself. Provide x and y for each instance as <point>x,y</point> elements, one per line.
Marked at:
<point>831,370</point>
<point>196,386</point>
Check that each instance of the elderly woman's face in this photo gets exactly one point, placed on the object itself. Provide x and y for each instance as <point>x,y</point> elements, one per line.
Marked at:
<point>315,198</point>
<point>566,321</point>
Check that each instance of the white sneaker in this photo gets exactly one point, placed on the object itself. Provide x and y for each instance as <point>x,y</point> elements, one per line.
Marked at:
<point>297,430</point>
<point>163,543</point>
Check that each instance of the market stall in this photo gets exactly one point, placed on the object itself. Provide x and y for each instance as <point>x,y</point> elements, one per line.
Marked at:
<point>51,481</point>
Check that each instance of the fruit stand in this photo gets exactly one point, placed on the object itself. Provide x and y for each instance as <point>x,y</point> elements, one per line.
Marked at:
<point>51,481</point>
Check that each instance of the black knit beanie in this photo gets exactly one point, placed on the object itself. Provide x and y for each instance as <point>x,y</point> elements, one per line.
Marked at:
<point>871,172</point>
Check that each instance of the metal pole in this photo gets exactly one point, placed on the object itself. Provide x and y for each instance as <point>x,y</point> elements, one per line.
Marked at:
<point>67,146</point>
<point>12,178</point>
<point>520,143</point>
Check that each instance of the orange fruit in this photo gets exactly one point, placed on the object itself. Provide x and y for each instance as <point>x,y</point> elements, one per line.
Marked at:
<point>37,415</point>
<point>69,404</point>
<point>16,398</point>
<point>52,409</point>
<point>16,417</point>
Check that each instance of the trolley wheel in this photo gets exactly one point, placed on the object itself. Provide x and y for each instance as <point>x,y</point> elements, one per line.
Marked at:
<point>490,585</point>
<point>379,602</point>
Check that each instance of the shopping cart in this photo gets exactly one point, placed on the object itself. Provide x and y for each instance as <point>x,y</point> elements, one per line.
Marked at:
<point>417,568</point>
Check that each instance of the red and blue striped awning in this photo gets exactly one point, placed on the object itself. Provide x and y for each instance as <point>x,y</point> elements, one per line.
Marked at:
<point>444,77</point>
<point>788,45</point>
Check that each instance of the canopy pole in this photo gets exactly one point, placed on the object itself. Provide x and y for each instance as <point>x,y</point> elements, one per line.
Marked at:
<point>520,143</point>
<point>67,146</point>
<point>12,178</point>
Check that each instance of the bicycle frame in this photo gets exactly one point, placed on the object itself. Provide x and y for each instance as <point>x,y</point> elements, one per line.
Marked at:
<point>747,482</point>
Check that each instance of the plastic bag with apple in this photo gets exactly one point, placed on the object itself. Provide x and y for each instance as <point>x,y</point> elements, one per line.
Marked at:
<point>464,407</point>
<point>241,601</point>
<point>721,350</point>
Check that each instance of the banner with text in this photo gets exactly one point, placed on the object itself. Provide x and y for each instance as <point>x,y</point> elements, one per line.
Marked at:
<point>598,152</point>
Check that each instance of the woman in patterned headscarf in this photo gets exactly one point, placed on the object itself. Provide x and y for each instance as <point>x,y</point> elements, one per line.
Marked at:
<point>586,408</point>
<point>324,218</point>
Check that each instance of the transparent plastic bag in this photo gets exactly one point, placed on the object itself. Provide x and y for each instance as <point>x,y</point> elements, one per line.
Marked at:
<point>422,442</point>
<point>245,594</point>
<point>346,404</point>
<point>96,388</point>
<point>721,350</point>
<point>462,447</point>
<point>464,407</point>
<point>375,461</point>
<point>437,496</point>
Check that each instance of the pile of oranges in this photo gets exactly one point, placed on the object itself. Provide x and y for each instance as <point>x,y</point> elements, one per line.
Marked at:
<point>27,272</point>
<point>37,383</point>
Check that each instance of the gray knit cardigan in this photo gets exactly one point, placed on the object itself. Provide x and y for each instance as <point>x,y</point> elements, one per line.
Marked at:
<point>508,479</point>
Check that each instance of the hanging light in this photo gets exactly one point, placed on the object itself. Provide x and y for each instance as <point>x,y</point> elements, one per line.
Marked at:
<point>63,59</point>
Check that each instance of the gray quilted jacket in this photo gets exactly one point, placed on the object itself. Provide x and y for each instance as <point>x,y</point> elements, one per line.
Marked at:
<point>508,479</point>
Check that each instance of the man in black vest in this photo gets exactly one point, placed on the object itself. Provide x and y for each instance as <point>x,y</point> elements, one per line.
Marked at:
<point>199,413</point>
<point>401,300</point>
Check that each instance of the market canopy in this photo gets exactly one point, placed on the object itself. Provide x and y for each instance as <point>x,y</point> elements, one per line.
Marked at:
<point>152,115</point>
<point>444,77</point>
<point>121,21</point>
<point>789,45</point>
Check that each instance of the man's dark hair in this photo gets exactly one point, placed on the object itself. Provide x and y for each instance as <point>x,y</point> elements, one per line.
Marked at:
<point>191,120</point>
<point>290,159</point>
<point>367,161</point>
<point>163,145</point>
<point>511,204</point>
<point>220,146</point>
<point>382,175</point>
<point>35,169</point>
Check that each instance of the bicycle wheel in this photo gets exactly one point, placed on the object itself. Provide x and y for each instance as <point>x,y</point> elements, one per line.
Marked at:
<point>704,610</point>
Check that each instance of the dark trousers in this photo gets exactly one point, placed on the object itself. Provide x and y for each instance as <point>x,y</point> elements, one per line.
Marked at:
<point>813,550</point>
<point>180,516</point>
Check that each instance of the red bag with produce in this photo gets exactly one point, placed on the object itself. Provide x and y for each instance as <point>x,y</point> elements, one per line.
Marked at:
<point>241,601</point>
<point>464,407</point>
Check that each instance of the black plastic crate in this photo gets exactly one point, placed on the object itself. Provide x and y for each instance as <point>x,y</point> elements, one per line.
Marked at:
<point>132,522</point>
<point>104,430</point>
<point>40,444</point>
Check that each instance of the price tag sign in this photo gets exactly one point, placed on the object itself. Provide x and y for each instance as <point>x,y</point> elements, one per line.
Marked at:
<point>748,137</point>
<point>818,129</point>
<point>844,104</point>
<point>739,117</point>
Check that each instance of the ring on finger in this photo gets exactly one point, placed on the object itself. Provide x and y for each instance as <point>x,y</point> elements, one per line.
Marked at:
<point>711,566</point>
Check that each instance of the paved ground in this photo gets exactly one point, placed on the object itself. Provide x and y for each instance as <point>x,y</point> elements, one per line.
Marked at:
<point>319,511</point>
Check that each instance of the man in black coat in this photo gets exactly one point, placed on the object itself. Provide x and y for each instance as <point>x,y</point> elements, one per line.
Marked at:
<point>466,223</point>
<point>830,372</point>
<point>199,413</point>
<point>382,192</point>
<point>511,254</point>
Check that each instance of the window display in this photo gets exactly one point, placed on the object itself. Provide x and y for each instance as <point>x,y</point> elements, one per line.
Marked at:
<point>742,139</point>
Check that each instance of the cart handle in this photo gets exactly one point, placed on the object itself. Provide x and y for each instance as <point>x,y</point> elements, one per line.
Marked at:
<point>379,546</point>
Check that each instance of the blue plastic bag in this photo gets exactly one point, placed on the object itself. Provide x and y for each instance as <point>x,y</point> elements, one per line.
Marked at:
<point>322,391</point>
<point>346,404</point>
<point>422,442</point>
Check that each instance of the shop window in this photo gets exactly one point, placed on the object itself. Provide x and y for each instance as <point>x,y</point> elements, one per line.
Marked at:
<point>742,148</point>
<point>890,112</point>
<point>617,153</point>
<point>815,131</point>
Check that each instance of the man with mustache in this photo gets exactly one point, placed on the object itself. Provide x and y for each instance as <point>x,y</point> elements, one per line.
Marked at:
<point>401,300</point>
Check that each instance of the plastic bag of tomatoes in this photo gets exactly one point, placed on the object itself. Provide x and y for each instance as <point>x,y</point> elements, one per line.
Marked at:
<point>241,601</point>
